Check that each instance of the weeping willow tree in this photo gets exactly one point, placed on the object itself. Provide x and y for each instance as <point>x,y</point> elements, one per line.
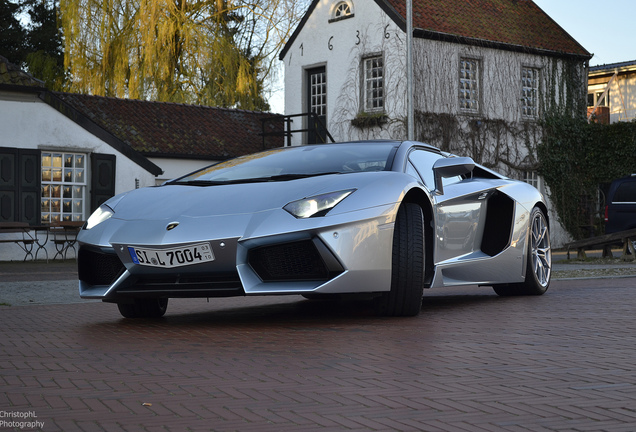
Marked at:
<point>210,52</point>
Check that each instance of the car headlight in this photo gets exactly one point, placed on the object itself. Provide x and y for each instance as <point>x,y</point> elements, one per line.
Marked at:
<point>317,205</point>
<point>100,215</point>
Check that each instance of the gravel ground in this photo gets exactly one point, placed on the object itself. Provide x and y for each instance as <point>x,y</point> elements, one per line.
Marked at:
<point>23,284</point>
<point>593,268</point>
<point>37,283</point>
<point>39,293</point>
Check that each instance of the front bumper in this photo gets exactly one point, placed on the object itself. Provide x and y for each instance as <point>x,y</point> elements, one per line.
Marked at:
<point>351,255</point>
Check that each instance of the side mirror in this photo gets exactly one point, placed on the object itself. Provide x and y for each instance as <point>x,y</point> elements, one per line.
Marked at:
<point>451,167</point>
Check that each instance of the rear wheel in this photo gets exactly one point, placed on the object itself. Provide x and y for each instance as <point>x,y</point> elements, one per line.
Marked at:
<point>407,273</point>
<point>539,268</point>
<point>144,308</point>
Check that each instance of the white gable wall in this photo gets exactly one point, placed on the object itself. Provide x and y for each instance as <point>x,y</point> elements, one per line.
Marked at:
<point>30,123</point>
<point>27,122</point>
<point>370,31</point>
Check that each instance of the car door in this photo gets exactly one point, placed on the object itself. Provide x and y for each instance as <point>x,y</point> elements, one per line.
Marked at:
<point>459,211</point>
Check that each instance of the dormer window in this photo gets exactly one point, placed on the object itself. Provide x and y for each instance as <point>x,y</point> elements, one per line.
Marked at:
<point>342,10</point>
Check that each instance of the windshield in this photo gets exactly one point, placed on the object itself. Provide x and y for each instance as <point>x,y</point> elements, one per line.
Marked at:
<point>296,162</point>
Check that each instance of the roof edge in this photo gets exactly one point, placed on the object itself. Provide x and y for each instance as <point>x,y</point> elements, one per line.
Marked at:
<point>611,67</point>
<point>299,28</point>
<point>399,20</point>
<point>566,32</point>
<point>81,120</point>
<point>447,37</point>
<point>21,88</point>
<point>208,157</point>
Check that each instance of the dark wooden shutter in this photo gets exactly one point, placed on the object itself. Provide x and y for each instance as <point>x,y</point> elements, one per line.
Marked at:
<point>102,178</point>
<point>29,168</point>
<point>8,184</point>
<point>20,185</point>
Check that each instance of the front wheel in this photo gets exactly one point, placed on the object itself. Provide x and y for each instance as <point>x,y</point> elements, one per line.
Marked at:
<point>144,308</point>
<point>539,263</point>
<point>407,273</point>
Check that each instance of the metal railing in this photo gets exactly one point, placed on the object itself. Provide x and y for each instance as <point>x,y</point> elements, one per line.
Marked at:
<point>316,128</point>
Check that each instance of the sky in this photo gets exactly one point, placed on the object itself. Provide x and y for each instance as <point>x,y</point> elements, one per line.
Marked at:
<point>604,28</point>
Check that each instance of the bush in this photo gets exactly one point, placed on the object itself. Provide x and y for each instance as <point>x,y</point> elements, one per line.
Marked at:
<point>575,158</point>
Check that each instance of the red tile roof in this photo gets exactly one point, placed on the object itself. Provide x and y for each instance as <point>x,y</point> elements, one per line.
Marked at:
<point>176,130</point>
<point>517,23</point>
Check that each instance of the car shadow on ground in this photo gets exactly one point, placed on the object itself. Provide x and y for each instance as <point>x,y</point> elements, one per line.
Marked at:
<point>283,312</point>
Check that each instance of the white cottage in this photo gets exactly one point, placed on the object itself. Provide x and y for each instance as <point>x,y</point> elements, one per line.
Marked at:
<point>611,95</point>
<point>485,72</point>
<point>63,154</point>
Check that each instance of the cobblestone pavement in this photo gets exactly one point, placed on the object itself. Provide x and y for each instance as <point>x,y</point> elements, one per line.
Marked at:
<point>471,361</point>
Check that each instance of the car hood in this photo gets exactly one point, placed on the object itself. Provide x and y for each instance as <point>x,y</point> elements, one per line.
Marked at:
<point>171,201</point>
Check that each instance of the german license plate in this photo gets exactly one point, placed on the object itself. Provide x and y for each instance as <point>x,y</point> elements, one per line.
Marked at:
<point>173,257</point>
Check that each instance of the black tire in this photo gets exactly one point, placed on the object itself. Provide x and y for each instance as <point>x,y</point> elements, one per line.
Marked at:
<point>407,272</point>
<point>539,265</point>
<point>144,308</point>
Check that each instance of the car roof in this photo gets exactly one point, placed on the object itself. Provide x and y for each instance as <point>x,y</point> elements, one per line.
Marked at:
<point>397,143</point>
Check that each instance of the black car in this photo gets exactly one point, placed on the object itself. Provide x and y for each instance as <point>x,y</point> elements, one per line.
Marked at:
<point>620,211</point>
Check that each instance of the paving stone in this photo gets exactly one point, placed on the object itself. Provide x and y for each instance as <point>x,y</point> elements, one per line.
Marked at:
<point>471,361</point>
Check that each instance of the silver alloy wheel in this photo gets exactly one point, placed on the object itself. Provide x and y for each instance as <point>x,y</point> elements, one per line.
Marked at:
<point>540,249</point>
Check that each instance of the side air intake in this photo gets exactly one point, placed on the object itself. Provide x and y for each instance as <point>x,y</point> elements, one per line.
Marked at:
<point>499,220</point>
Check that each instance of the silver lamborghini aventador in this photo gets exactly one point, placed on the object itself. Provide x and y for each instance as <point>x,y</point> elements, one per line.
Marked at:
<point>385,219</point>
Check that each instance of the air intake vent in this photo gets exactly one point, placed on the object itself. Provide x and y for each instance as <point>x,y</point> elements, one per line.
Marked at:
<point>98,268</point>
<point>499,222</point>
<point>300,260</point>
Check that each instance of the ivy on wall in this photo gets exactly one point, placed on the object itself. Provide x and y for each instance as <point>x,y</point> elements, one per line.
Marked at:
<point>576,157</point>
<point>506,146</point>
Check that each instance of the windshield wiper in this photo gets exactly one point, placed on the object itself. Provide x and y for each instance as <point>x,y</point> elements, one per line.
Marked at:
<point>198,182</point>
<point>284,177</point>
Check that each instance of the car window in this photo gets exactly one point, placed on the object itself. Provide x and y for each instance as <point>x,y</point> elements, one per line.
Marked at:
<point>410,169</point>
<point>626,192</point>
<point>302,160</point>
<point>423,161</point>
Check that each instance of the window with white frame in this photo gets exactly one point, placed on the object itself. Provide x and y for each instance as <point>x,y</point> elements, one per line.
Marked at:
<point>469,76</point>
<point>594,97</point>
<point>532,178</point>
<point>373,85</point>
<point>318,92</point>
<point>63,186</point>
<point>342,10</point>
<point>529,92</point>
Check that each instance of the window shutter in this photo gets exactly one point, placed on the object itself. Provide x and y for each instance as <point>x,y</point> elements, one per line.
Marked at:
<point>8,184</point>
<point>29,187</point>
<point>102,178</point>
<point>19,185</point>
